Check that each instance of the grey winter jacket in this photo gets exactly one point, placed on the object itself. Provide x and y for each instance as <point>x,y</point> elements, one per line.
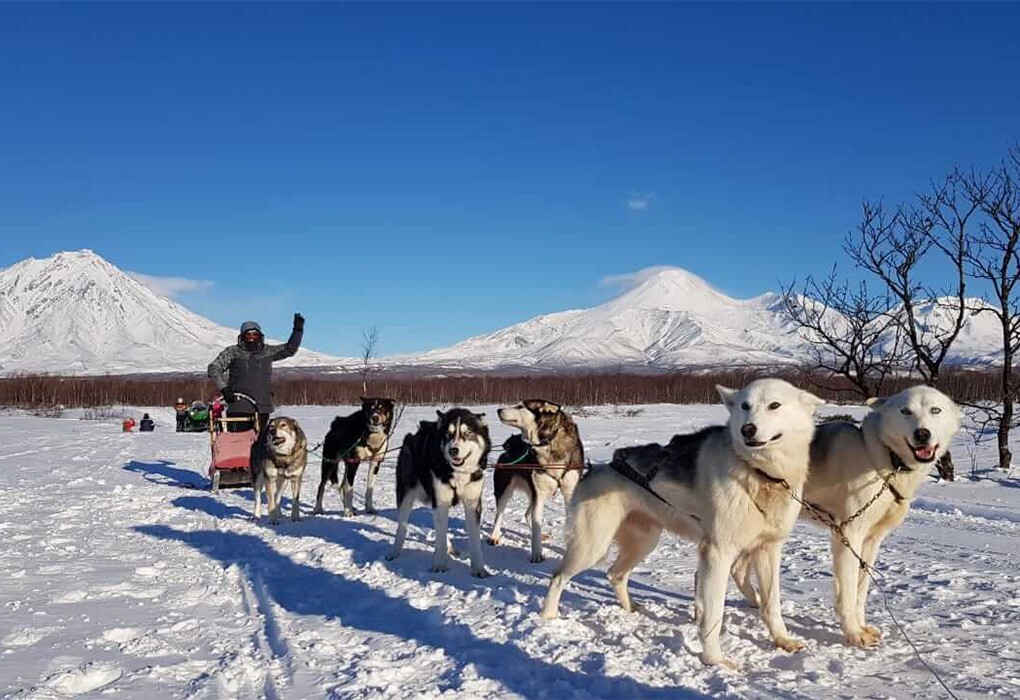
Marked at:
<point>250,371</point>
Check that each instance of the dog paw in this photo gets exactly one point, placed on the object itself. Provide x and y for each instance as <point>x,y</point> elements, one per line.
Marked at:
<point>711,660</point>
<point>864,637</point>
<point>318,510</point>
<point>391,555</point>
<point>370,511</point>
<point>790,644</point>
<point>549,615</point>
<point>440,567</point>
<point>492,540</point>
<point>546,536</point>
<point>480,573</point>
<point>295,518</point>
<point>349,512</point>
<point>537,558</point>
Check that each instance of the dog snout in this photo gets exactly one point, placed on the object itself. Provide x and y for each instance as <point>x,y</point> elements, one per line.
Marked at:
<point>454,451</point>
<point>375,418</point>
<point>922,436</point>
<point>749,430</point>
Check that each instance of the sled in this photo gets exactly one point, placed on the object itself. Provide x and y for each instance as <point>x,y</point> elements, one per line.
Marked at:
<point>231,451</point>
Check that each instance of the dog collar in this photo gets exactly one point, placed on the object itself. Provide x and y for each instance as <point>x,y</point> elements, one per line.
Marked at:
<point>377,429</point>
<point>768,477</point>
<point>898,464</point>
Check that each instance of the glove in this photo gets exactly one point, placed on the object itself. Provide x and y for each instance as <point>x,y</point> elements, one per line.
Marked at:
<point>228,395</point>
<point>299,322</point>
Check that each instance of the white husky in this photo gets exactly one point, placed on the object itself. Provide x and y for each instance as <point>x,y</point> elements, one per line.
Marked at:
<point>877,467</point>
<point>727,488</point>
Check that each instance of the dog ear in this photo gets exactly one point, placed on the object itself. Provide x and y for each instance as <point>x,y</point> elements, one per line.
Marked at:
<point>550,407</point>
<point>874,403</point>
<point>809,399</point>
<point>727,395</point>
<point>481,418</point>
<point>440,414</point>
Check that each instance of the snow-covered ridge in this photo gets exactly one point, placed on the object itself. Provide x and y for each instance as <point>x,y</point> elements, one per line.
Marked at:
<point>673,319</point>
<point>76,313</point>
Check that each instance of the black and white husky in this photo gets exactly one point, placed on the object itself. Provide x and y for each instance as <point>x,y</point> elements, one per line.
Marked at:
<point>363,436</point>
<point>442,465</point>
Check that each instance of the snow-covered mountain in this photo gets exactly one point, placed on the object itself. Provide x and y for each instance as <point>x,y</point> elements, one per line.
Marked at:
<point>673,319</point>
<point>75,313</point>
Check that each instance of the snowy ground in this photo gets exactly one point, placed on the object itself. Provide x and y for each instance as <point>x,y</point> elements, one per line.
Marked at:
<point>120,575</point>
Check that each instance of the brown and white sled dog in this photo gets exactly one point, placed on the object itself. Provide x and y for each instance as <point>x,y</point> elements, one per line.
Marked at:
<point>443,464</point>
<point>548,438</point>
<point>280,460</point>
<point>720,487</point>
<point>887,458</point>
<point>363,436</point>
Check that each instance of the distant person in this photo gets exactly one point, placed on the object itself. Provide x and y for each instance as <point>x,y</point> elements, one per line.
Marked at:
<point>147,425</point>
<point>247,368</point>
<point>182,413</point>
<point>218,406</point>
<point>127,425</point>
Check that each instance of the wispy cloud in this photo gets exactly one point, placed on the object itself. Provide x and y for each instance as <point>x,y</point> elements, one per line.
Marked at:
<point>171,286</point>
<point>639,201</point>
<point>630,280</point>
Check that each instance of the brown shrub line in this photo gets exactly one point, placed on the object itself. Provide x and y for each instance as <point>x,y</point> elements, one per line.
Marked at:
<point>294,388</point>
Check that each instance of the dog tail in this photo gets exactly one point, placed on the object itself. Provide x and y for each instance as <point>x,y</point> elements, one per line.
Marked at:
<point>330,471</point>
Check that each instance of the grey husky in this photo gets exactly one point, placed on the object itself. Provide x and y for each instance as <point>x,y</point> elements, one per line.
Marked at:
<point>550,448</point>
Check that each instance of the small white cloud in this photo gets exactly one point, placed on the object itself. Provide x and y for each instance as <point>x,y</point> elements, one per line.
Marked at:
<point>639,201</point>
<point>171,286</point>
<point>633,279</point>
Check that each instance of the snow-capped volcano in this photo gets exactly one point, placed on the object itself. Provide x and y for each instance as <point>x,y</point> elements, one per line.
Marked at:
<point>76,313</point>
<point>673,319</point>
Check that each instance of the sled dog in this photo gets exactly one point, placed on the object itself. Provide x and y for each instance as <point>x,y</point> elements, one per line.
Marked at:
<point>442,465</point>
<point>363,436</point>
<point>280,460</point>
<point>878,467</point>
<point>728,488</point>
<point>550,448</point>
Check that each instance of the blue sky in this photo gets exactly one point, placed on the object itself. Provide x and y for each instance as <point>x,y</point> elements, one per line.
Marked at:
<point>443,170</point>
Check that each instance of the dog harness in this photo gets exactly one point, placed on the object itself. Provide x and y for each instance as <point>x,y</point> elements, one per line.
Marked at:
<point>642,480</point>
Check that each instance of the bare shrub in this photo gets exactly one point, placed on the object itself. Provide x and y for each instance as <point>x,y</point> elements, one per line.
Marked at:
<point>296,388</point>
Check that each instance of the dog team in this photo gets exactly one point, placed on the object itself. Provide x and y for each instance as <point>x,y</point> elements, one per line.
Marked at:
<point>735,490</point>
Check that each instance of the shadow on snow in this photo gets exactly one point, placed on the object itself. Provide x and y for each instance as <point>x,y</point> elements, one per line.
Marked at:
<point>305,590</point>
